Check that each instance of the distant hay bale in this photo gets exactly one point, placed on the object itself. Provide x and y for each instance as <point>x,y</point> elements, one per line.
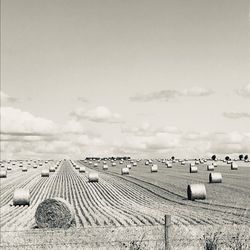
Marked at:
<point>169,165</point>
<point>210,167</point>
<point>52,169</point>
<point>128,166</point>
<point>40,164</point>
<point>124,171</point>
<point>154,168</point>
<point>54,213</point>
<point>196,192</point>
<point>24,169</point>
<point>146,163</point>
<point>95,164</point>
<point>134,164</point>
<point>215,164</point>
<point>183,163</point>
<point>9,168</point>
<point>234,166</point>
<point>105,167</point>
<point>21,165</point>
<point>93,177</point>
<point>90,162</point>
<point>193,168</point>
<point>196,162</point>
<point>77,167</point>
<point>3,173</point>
<point>215,178</point>
<point>121,162</point>
<point>21,197</point>
<point>45,173</point>
<point>113,164</point>
<point>82,169</point>
<point>34,166</point>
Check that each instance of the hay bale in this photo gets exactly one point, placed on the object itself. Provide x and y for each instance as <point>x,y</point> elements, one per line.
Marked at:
<point>3,173</point>
<point>196,162</point>
<point>77,167</point>
<point>215,164</point>
<point>54,213</point>
<point>45,173</point>
<point>24,169</point>
<point>9,168</point>
<point>193,168</point>
<point>129,166</point>
<point>146,163</point>
<point>82,169</point>
<point>234,166</point>
<point>52,169</point>
<point>124,171</point>
<point>169,165</point>
<point>215,178</point>
<point>93,177</point>
<point>95,164</point>
<point>35,166</point>
<point>210,167</point>
<point>21,197</point>
<point>134,164</point>
<point>113,164</point>
<point>121,162</point>
<point>154,168</point>
<point>196,192</point>
<point>105,167</point>
<point>183,163</point>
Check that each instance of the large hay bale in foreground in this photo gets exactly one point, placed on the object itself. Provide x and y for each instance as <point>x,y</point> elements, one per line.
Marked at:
<point>193,168</point>
<point>154,168</point>
<point>3,173</point>
<point>82,169</point>
<point>210,167</point>
<point>21,197</point>
<point>125,171</point>
<point>215,178</point>
<point>54,213</point>
<point>234,166</point>
<point>45,173</point>
<point>196,192</point>
<point>93,177</point>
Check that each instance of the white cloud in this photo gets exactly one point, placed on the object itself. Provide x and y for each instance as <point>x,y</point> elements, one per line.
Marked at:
<point>14,121</point>
<point>244,91</point>
<point>5,98</point>
<point>98,114</point>
<point>166,95</point>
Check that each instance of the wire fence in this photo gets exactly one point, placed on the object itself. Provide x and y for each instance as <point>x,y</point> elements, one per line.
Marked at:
<point>160,237</point>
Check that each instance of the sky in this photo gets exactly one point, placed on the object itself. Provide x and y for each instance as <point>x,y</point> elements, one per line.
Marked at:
<point>139,78</point>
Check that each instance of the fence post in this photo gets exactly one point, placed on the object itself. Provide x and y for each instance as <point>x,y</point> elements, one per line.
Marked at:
<point>167,232</point>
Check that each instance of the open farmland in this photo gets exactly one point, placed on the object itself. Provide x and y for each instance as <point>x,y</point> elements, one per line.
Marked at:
<point>140,199</point>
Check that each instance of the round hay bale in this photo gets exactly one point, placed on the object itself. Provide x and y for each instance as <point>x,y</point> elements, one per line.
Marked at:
<point>125,171</point>
<point>52,169</point>
<point>54,213</point>
<point>134,164</point>
<point>215,178</point>
<point>196,192</point>
<point>21,165</point>
<point>82,169</point>
<point>121,162</point>
<point>9,168</point>
<point>154,168</point>
<point>90,162</point>
<point>45,173</point>
<point>113,164</point>
<point>234,166</point>
<point>146,163</point>
<point>193,169</point>
<point>3,173</point>
<point>24,169</point>
<point>95,164</point>
<point>93,177</point>
<point>183,163</point>
<point>169,165</point>
<point>35,166</point>
<point>40,164</point>
<point>21,197</point>
<point>77,167</point>
<point>210,167</point>
<point>215,164</point>
<point>129,166</point>
<point>105,167</point>
<point>196,162</point>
